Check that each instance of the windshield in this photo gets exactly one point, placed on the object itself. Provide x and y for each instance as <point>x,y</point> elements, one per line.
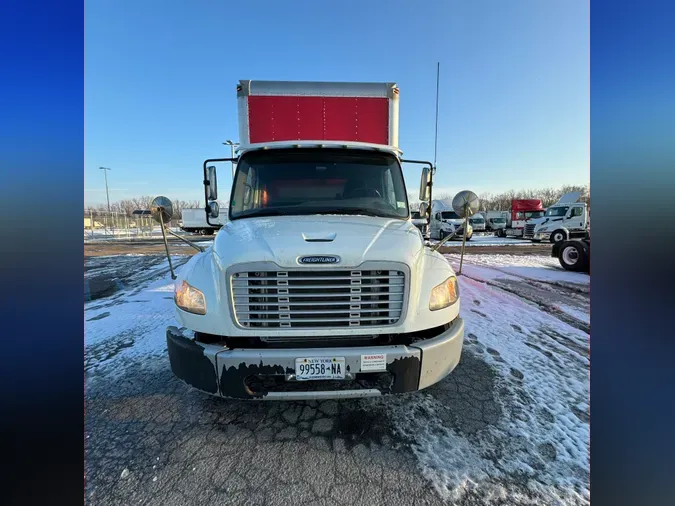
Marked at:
<point>449,215</point>
<point>318,181</point>
<point>498,220</point>
<point>556,211</point>
<point>415,215</point>
<point>533,214</point>
<point>477,221</point>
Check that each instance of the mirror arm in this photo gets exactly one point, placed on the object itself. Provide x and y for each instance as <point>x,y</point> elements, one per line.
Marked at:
<point>195,246</point>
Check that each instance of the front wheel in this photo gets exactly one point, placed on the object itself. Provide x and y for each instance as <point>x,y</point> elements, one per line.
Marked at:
<point>557,236</point>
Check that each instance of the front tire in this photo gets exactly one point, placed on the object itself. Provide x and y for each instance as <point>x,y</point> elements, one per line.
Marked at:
<point>557,236</point>
<point>573,257</point>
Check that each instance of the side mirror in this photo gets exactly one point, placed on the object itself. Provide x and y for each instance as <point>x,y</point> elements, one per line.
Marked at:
<point>424,181</point>
<point>212,182</point>
<point>214,209</point>
<point>161,210</point>
<point>423,209</point>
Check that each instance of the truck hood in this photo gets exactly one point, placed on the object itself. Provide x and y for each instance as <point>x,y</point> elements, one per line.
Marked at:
<point>282,239</point>
<point>455,222</point>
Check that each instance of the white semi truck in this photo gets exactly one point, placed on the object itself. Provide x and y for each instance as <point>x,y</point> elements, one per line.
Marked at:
<point>566,219</point>
<point>445,221</point>
<point>319,285</point>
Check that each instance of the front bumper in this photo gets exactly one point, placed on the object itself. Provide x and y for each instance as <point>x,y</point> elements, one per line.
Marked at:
<point>247,373</point>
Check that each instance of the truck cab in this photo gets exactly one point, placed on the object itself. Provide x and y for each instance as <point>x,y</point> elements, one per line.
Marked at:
<point>445,221</point>
<point>318,285</point>
<point>566,219</point>
<point>523,211</point>
<point>477,222</point>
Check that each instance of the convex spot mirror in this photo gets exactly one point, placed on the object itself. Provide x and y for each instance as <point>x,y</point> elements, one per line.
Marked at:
<point>161,210</point>
<point>465,203</point>
<point>213,209</point>
<point>424,184</point>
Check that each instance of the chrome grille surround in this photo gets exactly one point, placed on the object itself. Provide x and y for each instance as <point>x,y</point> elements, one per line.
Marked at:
<point>265,296</point>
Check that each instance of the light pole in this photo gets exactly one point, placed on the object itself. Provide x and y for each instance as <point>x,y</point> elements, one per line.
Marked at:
<point>232,145</point>
<point>107,196</point>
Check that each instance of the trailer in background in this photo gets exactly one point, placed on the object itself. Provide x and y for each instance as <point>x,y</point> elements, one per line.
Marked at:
<point>194,221</point>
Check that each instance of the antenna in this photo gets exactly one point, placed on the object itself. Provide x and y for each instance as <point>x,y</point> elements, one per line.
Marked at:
<point>438,77</point>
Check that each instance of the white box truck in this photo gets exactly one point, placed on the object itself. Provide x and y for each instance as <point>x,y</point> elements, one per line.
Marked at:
<point>495,220</point>
<point>477,222</point>
<point>319,285</point>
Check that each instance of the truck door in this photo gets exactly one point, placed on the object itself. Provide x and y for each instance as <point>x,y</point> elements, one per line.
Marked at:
<point>576,218</point>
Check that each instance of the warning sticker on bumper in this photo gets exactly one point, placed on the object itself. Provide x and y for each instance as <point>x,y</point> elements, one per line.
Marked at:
<point>374,362</point>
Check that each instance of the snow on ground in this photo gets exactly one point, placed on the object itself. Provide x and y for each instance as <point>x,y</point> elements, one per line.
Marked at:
<point>536,267</point>
<point>535,452</point>
<point>489,240</point>
<point>538,452</point>
<point>130,324</point>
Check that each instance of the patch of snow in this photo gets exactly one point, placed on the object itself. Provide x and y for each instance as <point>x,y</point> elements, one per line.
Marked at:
<point>540,410</point>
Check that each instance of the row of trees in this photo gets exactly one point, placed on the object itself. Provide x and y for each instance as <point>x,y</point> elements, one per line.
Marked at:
<point>488,201</point>
<point>128,206</point>
<point>502,201</point>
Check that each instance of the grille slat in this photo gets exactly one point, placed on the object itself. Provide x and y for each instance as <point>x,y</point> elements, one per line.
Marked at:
<point>318,299</point>
<point>529,230</point>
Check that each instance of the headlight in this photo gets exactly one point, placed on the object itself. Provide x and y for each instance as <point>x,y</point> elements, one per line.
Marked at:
<point>444,295</point>
<point>542,229</point>
<point>189,299</point>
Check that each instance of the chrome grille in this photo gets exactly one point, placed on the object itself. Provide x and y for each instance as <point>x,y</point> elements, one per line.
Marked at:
<point>529,230</point>
<point>318,299</point>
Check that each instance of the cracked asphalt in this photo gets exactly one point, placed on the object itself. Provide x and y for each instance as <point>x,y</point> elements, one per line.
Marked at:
<point>184,447</point>
<point>151,439</point>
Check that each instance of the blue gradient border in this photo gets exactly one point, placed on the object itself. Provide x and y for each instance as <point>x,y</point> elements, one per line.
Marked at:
<point>632,182</point>
<point>41,253</point>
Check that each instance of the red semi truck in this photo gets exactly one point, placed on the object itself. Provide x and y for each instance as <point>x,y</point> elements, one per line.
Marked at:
<point>522,210</point>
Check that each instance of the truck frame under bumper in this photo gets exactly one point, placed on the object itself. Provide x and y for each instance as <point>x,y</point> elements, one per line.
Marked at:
<point>269,373</point>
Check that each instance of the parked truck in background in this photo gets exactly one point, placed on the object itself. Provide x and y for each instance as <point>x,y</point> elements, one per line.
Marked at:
<point>318,285</point>
<point>194,221</point>
<point>574,254</point>
<point>418,220</point>
<point>477,222</point>
<point>521,212</point>
<point>444,222</point>
<point>494,220</point>
<point>566,219</point>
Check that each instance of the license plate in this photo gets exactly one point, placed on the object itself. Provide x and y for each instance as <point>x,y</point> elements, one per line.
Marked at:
<point>319,368</point>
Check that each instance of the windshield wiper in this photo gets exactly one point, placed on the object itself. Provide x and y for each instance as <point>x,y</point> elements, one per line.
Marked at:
<point>355,211</point>
<point>259,213</point>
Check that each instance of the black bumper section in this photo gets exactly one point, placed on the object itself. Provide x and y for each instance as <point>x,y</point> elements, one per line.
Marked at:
<point>190,364</point>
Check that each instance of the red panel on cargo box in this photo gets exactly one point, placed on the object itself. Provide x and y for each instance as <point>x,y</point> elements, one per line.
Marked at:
<point>276,118</point>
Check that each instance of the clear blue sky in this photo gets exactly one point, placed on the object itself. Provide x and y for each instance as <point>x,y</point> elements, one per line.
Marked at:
<point>160,83</point>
